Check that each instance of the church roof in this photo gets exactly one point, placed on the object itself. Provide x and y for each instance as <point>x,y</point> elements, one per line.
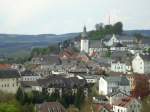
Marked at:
<point>96,44</point>
<point>84,33</point>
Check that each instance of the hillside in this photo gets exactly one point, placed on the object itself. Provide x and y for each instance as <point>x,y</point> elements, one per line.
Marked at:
<point>143,32</point>
<point>11,44</point>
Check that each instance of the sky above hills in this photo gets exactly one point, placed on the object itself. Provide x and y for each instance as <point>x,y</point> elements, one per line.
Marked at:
<point>65,16</point>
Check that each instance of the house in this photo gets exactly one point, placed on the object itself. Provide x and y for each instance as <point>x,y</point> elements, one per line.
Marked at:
<point>135,50</point>
<point>122,66</point>
<point>9,80</point>
<point>141,64</point>
<point>97,47</point>
<point>46,60</point>
<point>29,86</point>
<point>67,54</point>
<point>5,66</point>
<point>90,79</point>
<point>118,47</point>
<point>28,75</point>
<point>101,99</point>
<point>113,83</point>
<point>112,41</point>
<point>82,56</point>
<point>131,79</point>
<point>49,107</point>
<point>112,97</point>
<point>18,67</point>
<point>62,84</point>
<point>123,39</point>
<point>127,104</point>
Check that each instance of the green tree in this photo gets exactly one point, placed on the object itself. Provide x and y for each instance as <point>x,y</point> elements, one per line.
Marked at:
<point>146,104</point>
<point>117,28</point>
<point>20,96</point>
<point>108,29</point>
<point>79,98</point>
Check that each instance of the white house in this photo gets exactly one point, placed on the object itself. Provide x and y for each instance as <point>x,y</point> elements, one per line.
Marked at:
<point>112,97</point>
<point>29,76</point>
<point>120,66</point>
<point>127,40</point>
<point>127,104</point>
<point>118,47</point>
<point>112,41</point>
<point>89,79</point>
<point>113,83</point>
<point>141,64</point>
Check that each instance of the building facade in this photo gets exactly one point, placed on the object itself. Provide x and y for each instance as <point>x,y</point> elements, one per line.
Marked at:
<point>141,64</point>
<point>9,81</point>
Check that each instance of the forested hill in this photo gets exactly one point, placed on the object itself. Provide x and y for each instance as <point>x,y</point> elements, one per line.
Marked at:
<point>13,43</point>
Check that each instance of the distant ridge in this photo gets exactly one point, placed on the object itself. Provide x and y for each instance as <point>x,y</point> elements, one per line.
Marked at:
<point>12,43</point>
<point>143,32</point>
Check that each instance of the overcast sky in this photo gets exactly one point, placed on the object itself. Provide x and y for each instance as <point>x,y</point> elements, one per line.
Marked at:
<point>65,16</point>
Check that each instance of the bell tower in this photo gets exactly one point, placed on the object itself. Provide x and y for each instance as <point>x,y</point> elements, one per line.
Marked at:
<point>84,41</point>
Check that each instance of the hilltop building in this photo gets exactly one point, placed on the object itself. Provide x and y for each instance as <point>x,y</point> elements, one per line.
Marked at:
<point>91,46</point>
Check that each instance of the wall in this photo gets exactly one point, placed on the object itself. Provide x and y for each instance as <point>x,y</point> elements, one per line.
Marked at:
<point>9,85</point>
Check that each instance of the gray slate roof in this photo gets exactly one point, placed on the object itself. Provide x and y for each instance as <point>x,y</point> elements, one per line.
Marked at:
<point>62,82</point>
<point>28,73</point>
<point>121,80</point>
<point>9,73</point>
<point>96,44</point>
<point>145,57</point>
<point>115,93</point>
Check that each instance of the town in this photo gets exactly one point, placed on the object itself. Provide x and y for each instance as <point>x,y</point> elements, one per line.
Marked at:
<point>103,73</point>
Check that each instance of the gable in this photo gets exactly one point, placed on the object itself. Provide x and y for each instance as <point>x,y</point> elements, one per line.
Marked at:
<point>137,59</point>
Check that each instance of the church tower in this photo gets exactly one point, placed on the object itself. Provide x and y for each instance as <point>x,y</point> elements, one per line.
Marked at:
<point>84,41</point>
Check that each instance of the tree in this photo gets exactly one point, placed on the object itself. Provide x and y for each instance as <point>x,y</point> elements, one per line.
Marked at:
<point>141,86</point>
<point>108,29</point>
<point>146,104</point>
<point>20,96</point>
<point>117,28</point>
<point>99,27</point>
<point>79,98</point>
<point>28,108</point>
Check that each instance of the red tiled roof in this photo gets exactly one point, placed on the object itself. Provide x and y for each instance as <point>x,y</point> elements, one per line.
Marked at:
<point>50,107</point>
<point>5,66</point>
<point>124,102</point>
